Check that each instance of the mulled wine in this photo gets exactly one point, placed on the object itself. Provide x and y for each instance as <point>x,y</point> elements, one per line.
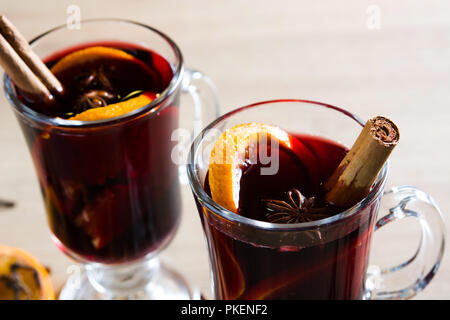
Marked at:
<point>333,267</point>
<point>111,191</point>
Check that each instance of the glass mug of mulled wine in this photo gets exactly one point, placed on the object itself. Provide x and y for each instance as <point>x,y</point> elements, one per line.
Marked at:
<point>286,242</point>
<point>109,183</point>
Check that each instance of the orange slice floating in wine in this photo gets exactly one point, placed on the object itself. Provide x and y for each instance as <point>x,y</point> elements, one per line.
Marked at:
<point>115,109</point>
<point>89,54</point>
<point>22,277</point>
<point>229,154</point>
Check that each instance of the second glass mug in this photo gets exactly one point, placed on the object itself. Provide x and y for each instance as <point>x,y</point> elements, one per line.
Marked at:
<point>253,259</point>
<point>120,171</point>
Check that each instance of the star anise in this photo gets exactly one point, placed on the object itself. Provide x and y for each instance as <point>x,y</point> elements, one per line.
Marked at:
<point>97,90</point>
<point>98,78</point>
<point>94,99</point>
<point>296,209</point>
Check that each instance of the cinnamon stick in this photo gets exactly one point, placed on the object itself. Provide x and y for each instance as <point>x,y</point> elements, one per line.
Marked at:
<point>353,178</point>
<point>19,72</point>
<point>23,49</point>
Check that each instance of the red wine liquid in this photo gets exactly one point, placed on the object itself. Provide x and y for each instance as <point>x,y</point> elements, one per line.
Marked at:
<point>330,269</point>
<point>305,167</point>
<point>111,191</point>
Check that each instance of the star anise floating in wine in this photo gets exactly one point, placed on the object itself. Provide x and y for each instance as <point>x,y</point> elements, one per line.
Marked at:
<point>98,78</point>
<point>94,99</point>
<point>99,91</point>
<point>296,208</point>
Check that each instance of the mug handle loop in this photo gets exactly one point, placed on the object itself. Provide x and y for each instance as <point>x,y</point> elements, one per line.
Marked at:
<point>407,279</point>
<point>203,93</point>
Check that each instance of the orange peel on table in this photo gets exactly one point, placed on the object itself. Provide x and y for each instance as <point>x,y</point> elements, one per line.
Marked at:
<point>229,153</point>
<point>22,277</point>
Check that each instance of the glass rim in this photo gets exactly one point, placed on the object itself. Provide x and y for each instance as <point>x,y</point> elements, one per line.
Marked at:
<point>215,208</point>
<point>26,111</point>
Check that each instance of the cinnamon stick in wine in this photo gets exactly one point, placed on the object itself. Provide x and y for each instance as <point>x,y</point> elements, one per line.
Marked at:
<point>353,178</point>
<point>19,72</point>
<point>23,49</point>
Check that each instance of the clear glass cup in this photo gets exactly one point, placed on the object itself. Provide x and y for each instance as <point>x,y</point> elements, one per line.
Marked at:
<point>111,187</point>
<point>323,259</point>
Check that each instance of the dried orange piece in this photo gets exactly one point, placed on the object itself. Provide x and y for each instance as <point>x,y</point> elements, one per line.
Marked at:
<point>229,153</point>
<point>22,277</point>
<point>115,109</point>
<point>89,54</point>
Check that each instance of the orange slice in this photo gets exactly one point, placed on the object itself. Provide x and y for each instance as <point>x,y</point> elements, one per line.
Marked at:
<point>22,277</point>
<point>114,110</point>
<point>89,54</point>
<point>229,153</point>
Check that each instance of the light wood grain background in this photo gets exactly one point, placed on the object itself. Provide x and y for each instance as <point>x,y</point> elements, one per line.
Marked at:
<point>263,49</point>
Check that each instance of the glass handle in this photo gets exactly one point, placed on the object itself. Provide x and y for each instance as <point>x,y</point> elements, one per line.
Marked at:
<point>407,279</point>
<point>203,93</point>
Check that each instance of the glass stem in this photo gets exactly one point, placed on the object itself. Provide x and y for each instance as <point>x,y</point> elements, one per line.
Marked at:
<point>125,281</point>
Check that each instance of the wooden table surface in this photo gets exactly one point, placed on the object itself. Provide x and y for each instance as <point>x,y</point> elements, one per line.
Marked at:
<point>327,51</point>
